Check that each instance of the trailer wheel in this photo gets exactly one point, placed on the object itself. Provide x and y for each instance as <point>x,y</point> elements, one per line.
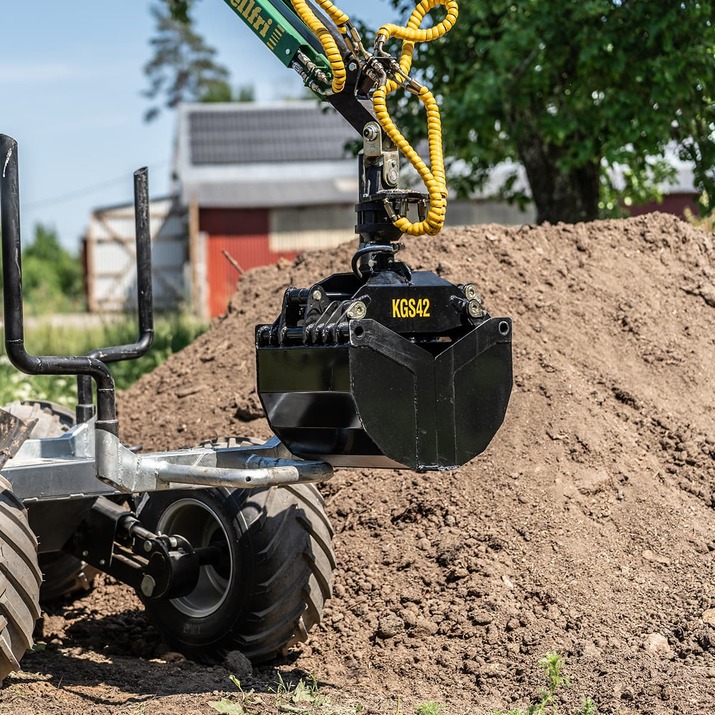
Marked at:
<point>20,579</point>
<point>270,588</point>
<point>52,419</point>
<point>63,575</point>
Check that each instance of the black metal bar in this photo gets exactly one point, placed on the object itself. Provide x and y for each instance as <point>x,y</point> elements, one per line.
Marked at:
<point>356,110</point>
<point>13,308</point>
<point>113,540</point>
<point>145,308</point>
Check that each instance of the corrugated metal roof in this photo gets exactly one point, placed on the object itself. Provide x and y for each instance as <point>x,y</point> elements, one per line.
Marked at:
<point>273,194</point>
<point>281,154</point>
<point>250,134</point>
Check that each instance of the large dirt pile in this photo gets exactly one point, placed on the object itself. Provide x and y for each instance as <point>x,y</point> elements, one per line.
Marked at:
<point>587,527</point>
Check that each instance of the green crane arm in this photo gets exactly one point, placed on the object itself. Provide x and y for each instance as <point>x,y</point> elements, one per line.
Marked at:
<point>280,29</point>
<point>278,26</point>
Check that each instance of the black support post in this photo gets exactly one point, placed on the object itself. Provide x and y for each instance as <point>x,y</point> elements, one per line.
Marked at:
<point>13,308</point>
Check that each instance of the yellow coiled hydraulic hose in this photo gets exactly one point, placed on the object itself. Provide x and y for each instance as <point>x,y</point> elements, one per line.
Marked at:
<point>325,38</point>
<point>433,176</point>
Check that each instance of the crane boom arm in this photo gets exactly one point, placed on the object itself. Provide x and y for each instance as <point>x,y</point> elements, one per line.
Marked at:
<point>318,40</point>
<point>279,28</point>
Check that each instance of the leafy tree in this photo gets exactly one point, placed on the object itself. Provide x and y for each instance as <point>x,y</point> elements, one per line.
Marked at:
<point>52,280</point>
<point>697,145</point>
<point>574,91</point>
<point>52,277</point>
<point>183,67</point>
<point>179,9</point>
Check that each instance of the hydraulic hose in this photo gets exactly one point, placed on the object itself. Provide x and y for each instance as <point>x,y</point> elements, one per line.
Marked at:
<point>412,32</point>
<point>329,45</point>
<point>433,176</point>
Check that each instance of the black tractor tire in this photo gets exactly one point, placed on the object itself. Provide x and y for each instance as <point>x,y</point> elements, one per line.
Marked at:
<point>270,587</point>
<point>20,580</point>
<point>52,419</point>
<point>63,575</point>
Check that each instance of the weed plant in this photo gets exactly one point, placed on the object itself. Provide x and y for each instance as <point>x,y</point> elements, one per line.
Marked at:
<point>553,665</point>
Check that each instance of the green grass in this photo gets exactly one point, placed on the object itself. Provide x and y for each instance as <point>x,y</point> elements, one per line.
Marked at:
<point>301,696</point>
<point>429,708</point>
<point>304,696</point>
<point>171,334</point>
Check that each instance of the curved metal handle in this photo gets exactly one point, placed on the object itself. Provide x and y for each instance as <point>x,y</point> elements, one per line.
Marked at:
<point>13,308</point>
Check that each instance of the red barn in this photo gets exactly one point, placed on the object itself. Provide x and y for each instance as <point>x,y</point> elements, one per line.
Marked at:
<point>261,182</point>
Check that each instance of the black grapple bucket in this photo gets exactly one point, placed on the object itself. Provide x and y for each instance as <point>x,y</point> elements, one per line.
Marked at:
<point>389,373</point>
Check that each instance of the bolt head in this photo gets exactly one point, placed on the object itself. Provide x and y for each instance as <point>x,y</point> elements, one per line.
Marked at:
<point>475,309</point>
<point>357,311</point>
<point>317,295</point>
<point>147,585</point>
<point>370,132</point>
<point>471,292</point>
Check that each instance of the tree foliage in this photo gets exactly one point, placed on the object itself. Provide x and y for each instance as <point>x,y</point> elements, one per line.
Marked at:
<point>179,9</point>
<point>52,280</point>
<point>52,277</point>
<point>183,67</point>
<point>574,91</point>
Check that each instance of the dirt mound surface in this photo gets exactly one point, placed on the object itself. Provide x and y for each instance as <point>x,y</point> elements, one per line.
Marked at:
<point>587,527</point>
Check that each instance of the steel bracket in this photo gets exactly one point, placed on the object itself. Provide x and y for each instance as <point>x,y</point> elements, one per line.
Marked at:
<point>234,467</point>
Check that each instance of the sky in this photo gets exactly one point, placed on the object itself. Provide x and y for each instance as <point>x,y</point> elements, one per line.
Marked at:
<point>71,82</point>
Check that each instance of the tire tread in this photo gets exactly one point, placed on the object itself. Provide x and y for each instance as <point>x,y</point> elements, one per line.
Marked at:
<point>19,581</point>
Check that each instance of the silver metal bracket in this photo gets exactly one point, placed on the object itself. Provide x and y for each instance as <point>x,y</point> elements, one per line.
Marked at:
<point>391,169</point>
<point>234,467</point>
<point>372,140</point>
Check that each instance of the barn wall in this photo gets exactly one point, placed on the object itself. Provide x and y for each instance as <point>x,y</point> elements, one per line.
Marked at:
<point>675,203</point>
<point>110,257</point>
<point>238,236</point>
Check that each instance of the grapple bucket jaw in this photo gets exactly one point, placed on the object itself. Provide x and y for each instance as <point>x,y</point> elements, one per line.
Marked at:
<point>425,411</point>
<point>392,372</point>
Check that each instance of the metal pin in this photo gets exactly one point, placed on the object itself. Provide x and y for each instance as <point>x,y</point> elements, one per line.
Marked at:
<point>475,309</point>
<point>357,311</point>
<point>470,290</point>
<point>148,585</point>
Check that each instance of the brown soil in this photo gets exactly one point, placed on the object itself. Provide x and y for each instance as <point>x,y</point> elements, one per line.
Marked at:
<point>587,526</point>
